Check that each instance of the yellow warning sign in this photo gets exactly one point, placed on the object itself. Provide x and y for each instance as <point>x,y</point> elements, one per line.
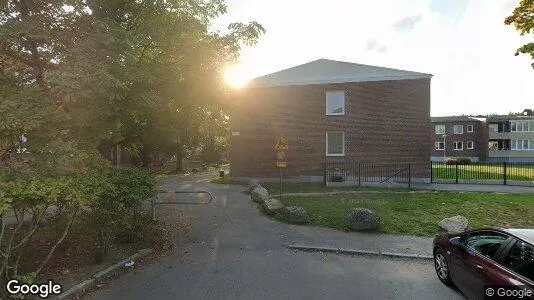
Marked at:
<point>281,164</point>
<point>281,144</point>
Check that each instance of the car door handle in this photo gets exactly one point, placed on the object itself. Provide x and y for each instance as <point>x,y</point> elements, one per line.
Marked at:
<point>480,267</point>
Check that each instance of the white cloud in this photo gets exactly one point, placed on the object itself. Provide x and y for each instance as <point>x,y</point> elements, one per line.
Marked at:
<point>471,54</point>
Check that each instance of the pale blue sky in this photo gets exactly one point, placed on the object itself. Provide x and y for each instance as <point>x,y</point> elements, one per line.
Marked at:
<point>465,45</point>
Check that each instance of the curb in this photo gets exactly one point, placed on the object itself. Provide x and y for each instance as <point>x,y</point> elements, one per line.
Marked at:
<point>359,252</point>
<point>88,283</point>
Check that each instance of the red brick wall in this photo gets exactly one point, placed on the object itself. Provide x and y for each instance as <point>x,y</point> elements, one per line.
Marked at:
<point>479,136</point>
<point>384,122</point>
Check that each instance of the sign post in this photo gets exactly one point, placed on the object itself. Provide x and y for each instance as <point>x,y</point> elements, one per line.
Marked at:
<point>281,162</point>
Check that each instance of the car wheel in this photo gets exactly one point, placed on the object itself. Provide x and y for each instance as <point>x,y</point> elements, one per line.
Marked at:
<point>442,267</point>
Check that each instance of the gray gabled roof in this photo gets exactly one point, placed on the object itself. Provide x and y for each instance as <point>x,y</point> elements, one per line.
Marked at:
<point>324,71</point>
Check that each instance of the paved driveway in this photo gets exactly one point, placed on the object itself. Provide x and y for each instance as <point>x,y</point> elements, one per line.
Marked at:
<point>233,252</point>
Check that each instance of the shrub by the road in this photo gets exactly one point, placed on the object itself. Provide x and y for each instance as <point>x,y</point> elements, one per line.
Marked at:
<point>33,207</point>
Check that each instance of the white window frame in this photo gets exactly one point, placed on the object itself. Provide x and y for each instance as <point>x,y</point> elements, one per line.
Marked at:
<point>458,148</point>
<point>472,128</point>
<point>335,154</point>
<point>456,131</point>
<point>437,146</point>
<point>439,131</point>
<point>495,126</point>
<point>472,145</point>
<point>344,102</point>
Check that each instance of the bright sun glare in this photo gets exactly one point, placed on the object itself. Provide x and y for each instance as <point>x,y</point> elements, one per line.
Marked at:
<point>235,77</point>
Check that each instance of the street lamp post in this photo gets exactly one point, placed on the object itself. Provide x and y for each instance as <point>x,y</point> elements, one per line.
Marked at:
<point>444,148</point>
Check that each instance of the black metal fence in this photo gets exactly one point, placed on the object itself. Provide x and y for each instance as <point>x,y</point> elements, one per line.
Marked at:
<point>506,173</point>
<point>358,173</point>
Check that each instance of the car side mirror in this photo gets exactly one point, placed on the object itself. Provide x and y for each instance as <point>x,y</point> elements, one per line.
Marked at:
<point>457,241</point>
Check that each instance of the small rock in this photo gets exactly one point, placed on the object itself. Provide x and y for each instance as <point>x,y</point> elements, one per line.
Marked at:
<point>254,183</point>
<point>128,264</point>
<point>259,195</point>
<point>362,219</point>
<point>295,214</point>
<point>271,206</point>
<point>454,224</point>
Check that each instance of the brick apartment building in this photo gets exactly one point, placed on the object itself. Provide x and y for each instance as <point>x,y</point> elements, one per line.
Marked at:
<point>459,136</point>
<point>511,138</point>
<point>330,111</point>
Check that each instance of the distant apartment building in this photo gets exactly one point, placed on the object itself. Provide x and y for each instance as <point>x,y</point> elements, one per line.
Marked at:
<point>511,138</point>
<point>459,136</point>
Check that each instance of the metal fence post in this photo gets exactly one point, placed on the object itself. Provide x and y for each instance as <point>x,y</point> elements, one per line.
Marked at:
<point>359,175</point>
<point>431,172</point>
<point>504,172</point>
<point>456,172</point>
<point>409,175</point>
<point>324,169</point>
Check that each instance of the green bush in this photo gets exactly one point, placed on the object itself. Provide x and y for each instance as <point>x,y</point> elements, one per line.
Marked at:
<point>458,161</point>
<point>116,211</point>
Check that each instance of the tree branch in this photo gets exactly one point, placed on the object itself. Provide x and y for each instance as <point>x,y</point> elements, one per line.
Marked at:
<point>65,232</point>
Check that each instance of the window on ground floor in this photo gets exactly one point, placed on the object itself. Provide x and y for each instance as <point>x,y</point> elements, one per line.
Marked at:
<point>470,145</point>
<point>439,145</point>
<point>335,143</point>
<point>458,145</point>
<point>493,145</point>
<point>522,145</point>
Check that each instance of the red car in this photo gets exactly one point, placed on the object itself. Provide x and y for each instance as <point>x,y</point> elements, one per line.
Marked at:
<point>487,257</point>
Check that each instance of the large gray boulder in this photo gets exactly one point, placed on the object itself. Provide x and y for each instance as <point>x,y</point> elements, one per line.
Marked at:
<point>253,183</point>
<point>259,195</point>
<point>362,219</point>
<point>454,224</point>
<point>272,206</point>
<point>295,214</point>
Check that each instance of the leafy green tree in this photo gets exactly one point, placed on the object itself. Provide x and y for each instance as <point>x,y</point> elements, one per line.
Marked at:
<point>144,75</point>
<point>49,79</point>
<point>170,68</point>
<point>523,19</point>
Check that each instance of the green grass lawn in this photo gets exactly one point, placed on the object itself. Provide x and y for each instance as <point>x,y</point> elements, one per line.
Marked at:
<point>484,171</point>
<point>419,213</point>
<point>274,188</point>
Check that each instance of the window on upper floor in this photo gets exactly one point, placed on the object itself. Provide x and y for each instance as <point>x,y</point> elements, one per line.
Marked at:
<point>439,145</point>
<point>335,143</point>
<point>335,103</point>
<point>440,129</point>
<point>470,128</point>
<point>458,146</point>
<point>493,127</point>
<point>520,126</point>
<point>458,129</point>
